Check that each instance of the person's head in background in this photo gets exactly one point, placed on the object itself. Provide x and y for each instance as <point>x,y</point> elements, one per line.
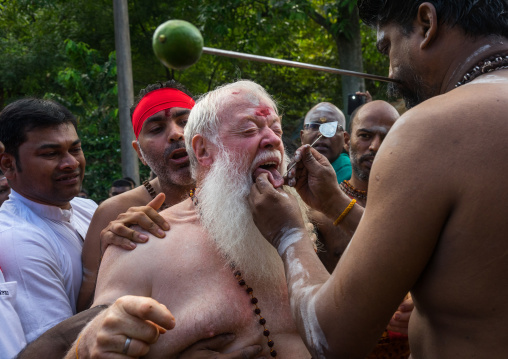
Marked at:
<point>120,186</point>
<point>330,147</point>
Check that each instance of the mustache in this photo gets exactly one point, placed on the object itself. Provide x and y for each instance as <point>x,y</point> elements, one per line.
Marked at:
<point>367,156</point>
<point>265,155</point>
<point>172,147</point>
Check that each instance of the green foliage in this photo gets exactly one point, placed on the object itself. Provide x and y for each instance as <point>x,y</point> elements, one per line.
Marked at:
<point>88,88</point>
<point>64,49</point>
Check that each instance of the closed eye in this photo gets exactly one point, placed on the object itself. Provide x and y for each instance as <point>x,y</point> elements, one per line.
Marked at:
<point>250,131</point>
<point>278,132</point>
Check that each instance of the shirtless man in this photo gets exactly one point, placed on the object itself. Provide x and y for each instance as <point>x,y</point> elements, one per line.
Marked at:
<point>369,126</point>
<point>159,115</point>
<point>432,224</point>
<point>159,132</point>
<point>203,270</point>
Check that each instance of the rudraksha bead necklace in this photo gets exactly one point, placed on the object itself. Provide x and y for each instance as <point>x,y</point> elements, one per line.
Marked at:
<point>351,191</point>
<point>493,63</point>
<point>257,311</point>
<point>249,290</point>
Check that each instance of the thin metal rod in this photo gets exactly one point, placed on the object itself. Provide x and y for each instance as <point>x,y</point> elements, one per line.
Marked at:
<point>274,61</point>
<point>294,163</point>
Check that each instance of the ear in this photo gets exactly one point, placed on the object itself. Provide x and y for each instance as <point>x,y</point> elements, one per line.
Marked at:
<point>202,150</point>
<point>135,145</point>
<point>427,25</point>
<point>347,140</point>
<point>8,165</point>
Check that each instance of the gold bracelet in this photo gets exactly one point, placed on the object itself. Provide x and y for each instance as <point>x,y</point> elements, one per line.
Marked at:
<point>77,344</point>
<point>344,214</point>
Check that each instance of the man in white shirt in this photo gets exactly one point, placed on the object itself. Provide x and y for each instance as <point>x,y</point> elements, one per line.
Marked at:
<point>12,338</point>
<point>42,225</point>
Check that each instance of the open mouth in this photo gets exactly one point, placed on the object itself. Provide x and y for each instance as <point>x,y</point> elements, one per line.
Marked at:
<point>271,168</point>
<point>179,156</point>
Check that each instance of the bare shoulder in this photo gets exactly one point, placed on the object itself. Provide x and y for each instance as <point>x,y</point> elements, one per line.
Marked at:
<point>124,272</point>
<point>110,209</point>
<point>466,107</point>
<point>121,203</point>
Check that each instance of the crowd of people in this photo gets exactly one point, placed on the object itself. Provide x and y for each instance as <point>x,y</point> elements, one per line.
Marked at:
<point>214,257</point>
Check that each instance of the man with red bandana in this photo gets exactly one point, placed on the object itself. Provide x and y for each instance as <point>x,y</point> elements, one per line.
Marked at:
<point>213,270</point>
<point>159,115</point>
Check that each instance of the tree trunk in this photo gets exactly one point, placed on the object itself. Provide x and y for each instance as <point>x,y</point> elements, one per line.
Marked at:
<point>350,55</point>
<point>130,165</point>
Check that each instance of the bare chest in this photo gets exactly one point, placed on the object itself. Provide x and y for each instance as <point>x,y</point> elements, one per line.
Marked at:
<point>201,291</point>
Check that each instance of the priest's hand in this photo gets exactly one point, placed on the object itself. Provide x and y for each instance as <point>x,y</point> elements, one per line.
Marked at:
<point>276,213</point>
<point>314,179</point>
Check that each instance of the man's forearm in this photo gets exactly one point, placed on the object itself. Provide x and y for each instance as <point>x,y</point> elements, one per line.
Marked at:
<point>55,342</point>
<point>305,274</point>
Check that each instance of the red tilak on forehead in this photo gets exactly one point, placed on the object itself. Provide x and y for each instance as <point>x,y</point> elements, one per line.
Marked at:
<point>263,112</point>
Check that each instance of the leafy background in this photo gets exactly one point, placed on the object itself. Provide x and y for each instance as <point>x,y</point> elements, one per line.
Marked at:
<point>64,50</point>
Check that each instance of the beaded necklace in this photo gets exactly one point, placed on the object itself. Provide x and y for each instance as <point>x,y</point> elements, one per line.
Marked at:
<point>238,275</point>
<point>493,63</point>
<point>351,191</point>
<point>152,193</point>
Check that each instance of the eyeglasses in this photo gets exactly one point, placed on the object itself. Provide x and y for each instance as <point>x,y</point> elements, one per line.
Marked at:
<point>314,126</point>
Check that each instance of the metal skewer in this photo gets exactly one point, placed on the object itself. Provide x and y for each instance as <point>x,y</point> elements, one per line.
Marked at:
<point>274,61</point>
<point>294,163</point>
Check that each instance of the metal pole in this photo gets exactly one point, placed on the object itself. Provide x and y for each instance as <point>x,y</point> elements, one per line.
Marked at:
<point>271,60</point>
<point>130,165</point>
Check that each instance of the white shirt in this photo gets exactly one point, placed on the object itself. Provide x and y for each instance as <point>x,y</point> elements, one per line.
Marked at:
<point>40,249</point>
<point>12,338</point>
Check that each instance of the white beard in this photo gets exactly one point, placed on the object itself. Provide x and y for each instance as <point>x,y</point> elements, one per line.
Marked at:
<point>225,213</point>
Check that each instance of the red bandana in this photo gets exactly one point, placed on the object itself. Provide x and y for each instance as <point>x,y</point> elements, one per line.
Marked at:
<point>156,101</point>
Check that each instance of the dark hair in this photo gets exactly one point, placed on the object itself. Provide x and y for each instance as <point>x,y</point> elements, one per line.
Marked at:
<point>128,179</point>
<point>26,115</point>
<point>123,182</point>
<point>475,17</point>
<point>156,86</point>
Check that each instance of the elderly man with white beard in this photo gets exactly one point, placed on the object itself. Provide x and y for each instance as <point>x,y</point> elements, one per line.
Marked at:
<point>214,270</point>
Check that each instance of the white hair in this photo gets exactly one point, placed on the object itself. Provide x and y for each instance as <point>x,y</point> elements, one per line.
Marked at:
<point>204,117</point>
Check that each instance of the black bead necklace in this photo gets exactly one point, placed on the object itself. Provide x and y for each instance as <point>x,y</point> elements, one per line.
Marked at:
<point>493,63</point>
